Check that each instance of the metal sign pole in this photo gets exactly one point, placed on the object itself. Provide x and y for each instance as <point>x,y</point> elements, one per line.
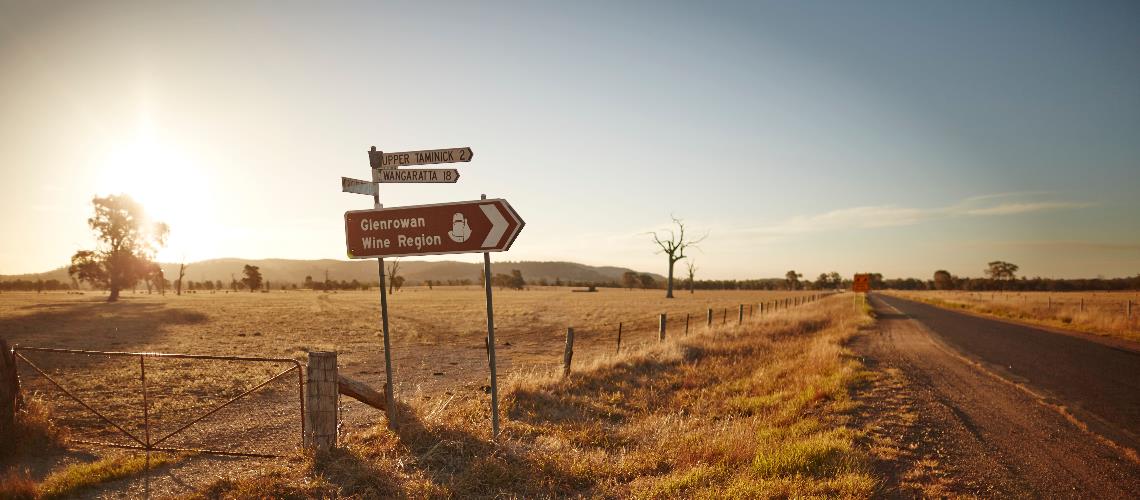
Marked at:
<point>389,391</point>
<point>491,342</point>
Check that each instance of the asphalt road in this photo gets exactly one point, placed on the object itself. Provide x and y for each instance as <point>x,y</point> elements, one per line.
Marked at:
<point>1098,383</point>
<point>988,408</point>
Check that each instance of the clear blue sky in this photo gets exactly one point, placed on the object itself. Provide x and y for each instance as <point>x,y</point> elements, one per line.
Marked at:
<point>897,137</point>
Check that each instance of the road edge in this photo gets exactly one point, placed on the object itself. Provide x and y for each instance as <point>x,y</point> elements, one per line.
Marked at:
<point>1130,453</point>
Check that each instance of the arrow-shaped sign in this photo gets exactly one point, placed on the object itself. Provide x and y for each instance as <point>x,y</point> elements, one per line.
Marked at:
<point>445,228</point>
<point>380,159</point>
<point>415,175</point>
<point>348,185</point>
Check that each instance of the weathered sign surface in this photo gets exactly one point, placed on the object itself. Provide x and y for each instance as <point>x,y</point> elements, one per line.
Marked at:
<point>445,228</point>
<point>862,283</point>
<point>380,159</point>
<point>349,185</point>
<point>415,175</point>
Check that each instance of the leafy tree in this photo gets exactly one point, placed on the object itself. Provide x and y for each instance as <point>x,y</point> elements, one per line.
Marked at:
<point>943,280</point>
<point>501,280</point>
<point>1001,270</point>
<point>647,280</point>
<point>793,279</point>
<point>630,279</point>
<point>674,249</point>
<point>252,277</point>
<point>836,279</point>
<point>308,282</point>
<point>517,282</point>
<point>127,240</point>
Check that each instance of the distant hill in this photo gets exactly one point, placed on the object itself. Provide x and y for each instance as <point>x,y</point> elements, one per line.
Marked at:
<point>285,271</point>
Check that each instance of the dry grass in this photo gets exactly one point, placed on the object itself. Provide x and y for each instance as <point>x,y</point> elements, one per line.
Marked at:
<point>35,431</point>
<point>17,485</point>
<point>752,411</point>
<point>437,335</point>
<point>72,480</point>
<point>1103,313</point>
<point>437,345</point>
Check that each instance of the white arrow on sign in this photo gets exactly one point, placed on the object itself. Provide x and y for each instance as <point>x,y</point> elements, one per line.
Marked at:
<point>415,175</point>
<point>499,224</point>
<point>357,186</point>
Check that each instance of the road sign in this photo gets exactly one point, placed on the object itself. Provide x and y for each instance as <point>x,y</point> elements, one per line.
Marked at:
<point>444,228</point>
<point>862,283</point>
<point>380,159</point>
<point>357,186</point>
<point>415,175</point>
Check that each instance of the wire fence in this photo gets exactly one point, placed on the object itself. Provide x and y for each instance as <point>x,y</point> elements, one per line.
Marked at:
<point>444,366</point>
<point>221,405</point>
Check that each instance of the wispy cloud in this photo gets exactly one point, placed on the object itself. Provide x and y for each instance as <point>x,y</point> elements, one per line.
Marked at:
<point>868,217</point>
<point>1024,208</point>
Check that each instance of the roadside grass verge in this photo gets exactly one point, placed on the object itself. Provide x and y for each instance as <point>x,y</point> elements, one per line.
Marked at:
<point>73,479</point>
<point>35,431</point>
<point>759,410</point>
<point>1100,314</point>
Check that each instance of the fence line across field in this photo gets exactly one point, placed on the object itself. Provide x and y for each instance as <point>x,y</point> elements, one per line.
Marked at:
<point>602,338</point>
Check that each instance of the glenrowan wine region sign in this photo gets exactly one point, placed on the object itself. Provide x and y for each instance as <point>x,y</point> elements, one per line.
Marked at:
<point>445,228</point>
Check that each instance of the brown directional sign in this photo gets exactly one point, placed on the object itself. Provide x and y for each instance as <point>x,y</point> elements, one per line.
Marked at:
<point>445,228</point>
<point>415,175</point>
<point>862,283</point>
<point>380,159</point>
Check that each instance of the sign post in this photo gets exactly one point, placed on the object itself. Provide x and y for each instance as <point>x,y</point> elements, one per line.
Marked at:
<point>445,228</point>
<point>491,341</point>
<point>862,284</point>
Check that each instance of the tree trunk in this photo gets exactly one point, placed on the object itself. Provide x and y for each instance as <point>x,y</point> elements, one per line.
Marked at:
<point>114,293</point>
<point>669,286</point>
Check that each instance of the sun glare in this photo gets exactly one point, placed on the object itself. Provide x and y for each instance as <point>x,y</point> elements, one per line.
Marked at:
<point>170,188</point>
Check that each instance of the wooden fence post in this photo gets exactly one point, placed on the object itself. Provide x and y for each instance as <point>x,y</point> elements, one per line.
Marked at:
<point>724,319</point>
<point>740,315</point>
<point>1082,304</point>
<point>619,337</point>
<point>569,354</point>
<point>661,328</point>
<point>686,323</point>
<point>9,393</point>
<point>320,401</point>
<point>1129,308</point>
<point>710,318</point>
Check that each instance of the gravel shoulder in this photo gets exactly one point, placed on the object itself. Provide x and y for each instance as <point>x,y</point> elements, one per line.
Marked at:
<point>941,422</point>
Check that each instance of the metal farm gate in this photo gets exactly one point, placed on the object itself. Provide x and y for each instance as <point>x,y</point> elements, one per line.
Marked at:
<point>220,405</point>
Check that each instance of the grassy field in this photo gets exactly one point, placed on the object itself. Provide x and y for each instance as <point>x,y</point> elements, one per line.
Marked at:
<point>437,339</point>
<point>1100,313</point>
<point>759,410</point>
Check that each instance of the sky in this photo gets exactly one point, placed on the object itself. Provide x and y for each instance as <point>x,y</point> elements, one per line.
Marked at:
<point>893,137</point>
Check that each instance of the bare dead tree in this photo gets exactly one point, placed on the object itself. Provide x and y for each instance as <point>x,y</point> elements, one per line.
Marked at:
<point>674,248</point>
<point>181,274</point>
<point>393,273</point>
<point>691,267</point>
